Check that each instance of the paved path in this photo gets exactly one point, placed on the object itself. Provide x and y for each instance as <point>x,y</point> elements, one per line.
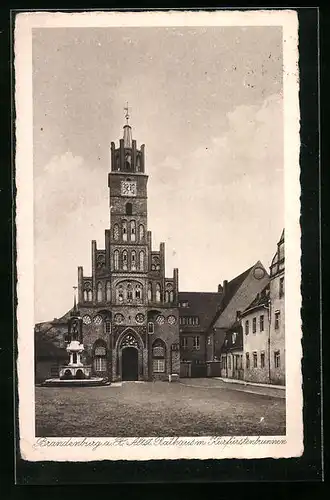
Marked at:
<point>213,383</point>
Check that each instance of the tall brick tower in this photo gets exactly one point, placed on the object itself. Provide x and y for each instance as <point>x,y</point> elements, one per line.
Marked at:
<point>129,308</point>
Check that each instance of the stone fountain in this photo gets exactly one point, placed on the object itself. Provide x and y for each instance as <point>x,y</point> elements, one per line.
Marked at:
<point>75,372</point>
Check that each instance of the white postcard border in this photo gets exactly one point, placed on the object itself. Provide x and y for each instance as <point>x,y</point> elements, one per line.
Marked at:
<point>83,449</point>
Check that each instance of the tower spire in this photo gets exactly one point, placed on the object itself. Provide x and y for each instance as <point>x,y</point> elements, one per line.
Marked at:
<point>127,129</point>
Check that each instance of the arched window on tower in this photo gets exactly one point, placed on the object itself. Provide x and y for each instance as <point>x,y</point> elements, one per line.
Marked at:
<point>117,161</point>
<point>116,232</point>
<point>141,233</point>
<point>99,292</point>
<point>129,293</point>
<point>138,292</point>
<point>158,292</point>
<point>116,260</point>
<point>124,262</point>
<point>133,231</point>
<point>108,291</point>
<point>138,162</point>
<point>128,161</point>
<point>120,293</point>
<point>85,296</point>
<point>133,260</point>
<point>90,295</point>
<point>128,208</point>
<point>169,293</point>
<point>124,230</point>
<point>141,259</point>
<point>150,292</point>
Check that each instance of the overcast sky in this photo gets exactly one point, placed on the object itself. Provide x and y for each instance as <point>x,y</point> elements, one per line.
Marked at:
<point>207,102</point>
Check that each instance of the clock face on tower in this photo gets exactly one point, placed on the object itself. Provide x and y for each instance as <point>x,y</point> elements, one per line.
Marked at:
<point>128,188</point>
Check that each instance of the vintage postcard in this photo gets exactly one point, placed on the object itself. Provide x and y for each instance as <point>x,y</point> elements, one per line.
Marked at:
<point>158,237</point>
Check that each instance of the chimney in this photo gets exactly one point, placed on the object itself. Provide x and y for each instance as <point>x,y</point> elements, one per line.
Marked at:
<point>219,288</point>
<point>238,315</point>
<point>224,286</point>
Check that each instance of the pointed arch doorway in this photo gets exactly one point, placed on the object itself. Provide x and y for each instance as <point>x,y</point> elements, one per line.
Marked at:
<point>129,356</point>
<point>130,363</point>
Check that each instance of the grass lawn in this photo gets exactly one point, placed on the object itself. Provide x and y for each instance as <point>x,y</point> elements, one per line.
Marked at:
<point>155,409</point>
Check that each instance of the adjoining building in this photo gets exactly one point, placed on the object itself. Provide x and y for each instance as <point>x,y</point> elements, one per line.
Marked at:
<point>256,338</point>
<point>196,311</point>
<point>277,315</point>
<point>237,294</point>
<point>231,353</point>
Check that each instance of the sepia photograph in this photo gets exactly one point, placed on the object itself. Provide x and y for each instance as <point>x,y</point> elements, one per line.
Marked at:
<point>158,222</point>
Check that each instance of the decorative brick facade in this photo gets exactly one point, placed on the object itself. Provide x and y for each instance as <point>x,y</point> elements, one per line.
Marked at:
<point>128,306</point>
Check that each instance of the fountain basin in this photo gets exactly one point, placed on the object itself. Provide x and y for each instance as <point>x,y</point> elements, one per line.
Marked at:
<point>77,371</point>
<point>87,382</point>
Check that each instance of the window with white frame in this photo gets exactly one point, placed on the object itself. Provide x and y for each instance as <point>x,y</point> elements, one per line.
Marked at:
<point>277,359</point>
<point>138,292</point>
<point>124,230</point>
<point>124,261</point>
<point>133,260</point>
<point>262,360</point>
<point>158,355</point>
<point>277,320</point>
<point>133,230</point>
<point>255,360</point>
<point>196,342</point>
<point>100,364</point>
<point>184,342</point>
<point>158,365</point>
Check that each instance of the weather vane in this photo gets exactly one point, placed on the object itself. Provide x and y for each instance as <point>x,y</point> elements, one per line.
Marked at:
<point>126,113</point>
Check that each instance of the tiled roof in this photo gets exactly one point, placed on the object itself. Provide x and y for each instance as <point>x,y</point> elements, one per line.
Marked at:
<point>201,304</point>
<point>260,299</point>
<point>232,287</point>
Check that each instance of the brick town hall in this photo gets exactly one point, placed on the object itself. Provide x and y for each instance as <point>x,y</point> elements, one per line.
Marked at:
<point>128,307</point>
<point>135,324</point>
